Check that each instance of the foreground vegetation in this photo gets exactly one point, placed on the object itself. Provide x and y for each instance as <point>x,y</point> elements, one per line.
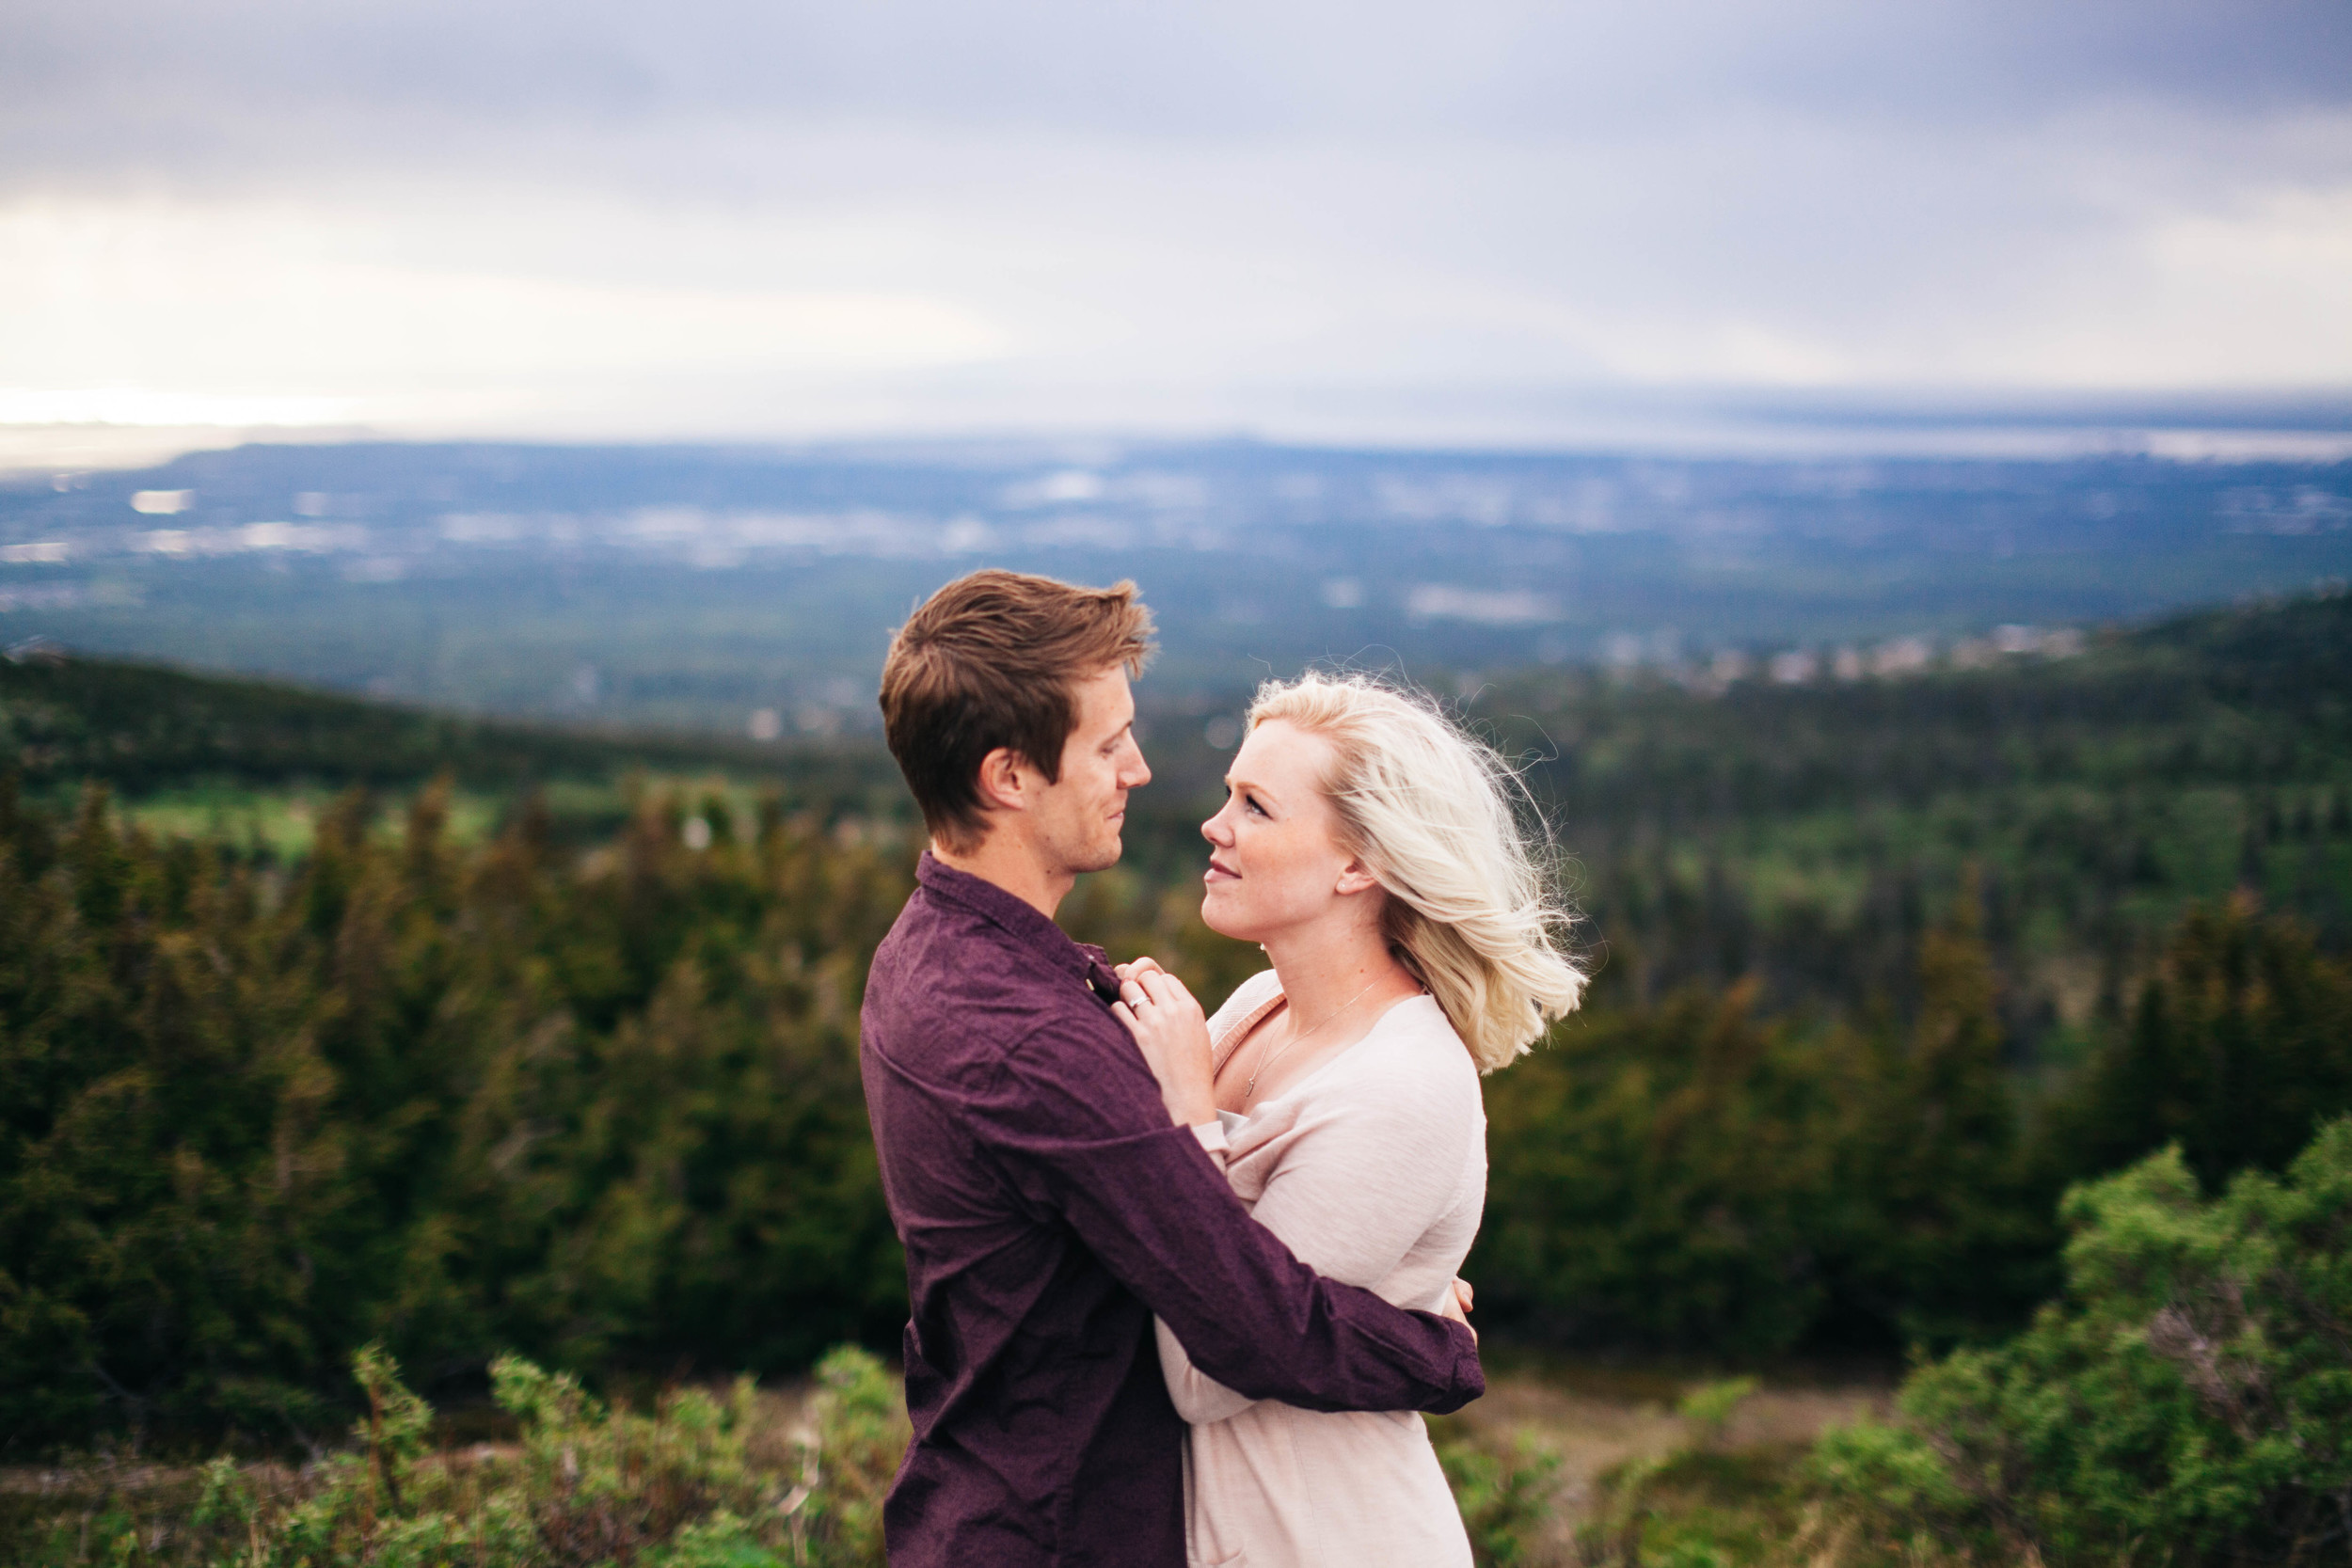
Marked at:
<point>697,1481</point>
<point>2186,1401</point>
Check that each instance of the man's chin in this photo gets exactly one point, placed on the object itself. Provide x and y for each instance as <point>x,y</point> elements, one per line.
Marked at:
<point>1101,857</point>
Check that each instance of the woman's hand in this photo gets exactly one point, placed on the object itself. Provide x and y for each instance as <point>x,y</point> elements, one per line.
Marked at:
<point>1172,1032</point>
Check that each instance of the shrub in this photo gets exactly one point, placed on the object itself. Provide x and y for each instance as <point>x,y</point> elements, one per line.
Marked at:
<point>703,1481</point>
<point>861,1435</point>
<point>2187,1401</point>
<point>1504,1490</point>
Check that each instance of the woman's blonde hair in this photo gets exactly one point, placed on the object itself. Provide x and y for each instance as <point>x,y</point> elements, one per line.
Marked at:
<point>1428,809</point>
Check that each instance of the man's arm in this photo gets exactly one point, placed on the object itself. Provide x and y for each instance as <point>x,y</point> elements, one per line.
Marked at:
<point>1077,1123</point>
<point>1361,1182</point>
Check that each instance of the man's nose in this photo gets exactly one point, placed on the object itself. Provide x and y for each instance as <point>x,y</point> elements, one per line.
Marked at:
<point>1137,772</point>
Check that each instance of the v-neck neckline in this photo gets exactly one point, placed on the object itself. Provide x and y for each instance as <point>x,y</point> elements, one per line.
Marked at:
<point>1257,1014</point>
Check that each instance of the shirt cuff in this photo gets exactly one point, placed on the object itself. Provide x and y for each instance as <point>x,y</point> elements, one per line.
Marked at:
<point>1212,1136</point>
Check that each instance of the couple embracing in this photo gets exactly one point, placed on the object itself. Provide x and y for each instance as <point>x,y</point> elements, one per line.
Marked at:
<point>1181,1282</point>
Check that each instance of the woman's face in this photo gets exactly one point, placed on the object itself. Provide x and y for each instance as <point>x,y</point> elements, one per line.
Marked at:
<point>1274,859</point>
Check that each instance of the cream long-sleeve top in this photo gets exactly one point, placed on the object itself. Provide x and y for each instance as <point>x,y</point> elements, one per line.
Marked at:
<point>1372,1169</point>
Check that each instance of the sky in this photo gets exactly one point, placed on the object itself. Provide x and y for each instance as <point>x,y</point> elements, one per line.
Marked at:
<point>1483,220</point>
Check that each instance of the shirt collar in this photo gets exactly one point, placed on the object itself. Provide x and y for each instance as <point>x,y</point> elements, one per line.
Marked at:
<point>1021,921</point>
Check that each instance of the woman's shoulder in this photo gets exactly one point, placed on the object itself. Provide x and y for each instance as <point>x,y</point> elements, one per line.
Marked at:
<point>1251,994</point>
<point>1415,1043</point>
<point>1414,1049</point>
<point>1408,1088</point>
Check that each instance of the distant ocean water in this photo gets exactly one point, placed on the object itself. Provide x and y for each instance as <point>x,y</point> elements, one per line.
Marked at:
<point>2270,427</point>
<point>2301,427</point>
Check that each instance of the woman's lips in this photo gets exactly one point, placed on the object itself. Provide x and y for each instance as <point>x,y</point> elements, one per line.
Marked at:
<point>1219,868</point>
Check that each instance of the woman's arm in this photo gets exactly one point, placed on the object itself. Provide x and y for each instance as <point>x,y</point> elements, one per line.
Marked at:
<point>1198,1398</point>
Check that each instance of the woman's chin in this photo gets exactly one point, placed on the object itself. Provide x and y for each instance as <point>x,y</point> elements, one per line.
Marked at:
<point>1222,919</point>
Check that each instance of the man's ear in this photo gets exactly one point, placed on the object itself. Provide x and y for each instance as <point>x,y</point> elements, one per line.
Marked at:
<point>1002,781</point>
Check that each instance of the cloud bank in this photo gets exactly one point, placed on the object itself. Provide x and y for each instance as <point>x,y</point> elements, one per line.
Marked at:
<point>728,219</point>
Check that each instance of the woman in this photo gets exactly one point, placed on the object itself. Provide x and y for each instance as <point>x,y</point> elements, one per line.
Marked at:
<point>1371,847</point>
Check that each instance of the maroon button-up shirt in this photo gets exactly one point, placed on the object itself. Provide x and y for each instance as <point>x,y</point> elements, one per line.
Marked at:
<point>1049,1209</point>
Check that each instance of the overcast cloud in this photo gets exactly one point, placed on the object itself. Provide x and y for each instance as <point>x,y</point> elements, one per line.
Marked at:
<point>1309,218</point>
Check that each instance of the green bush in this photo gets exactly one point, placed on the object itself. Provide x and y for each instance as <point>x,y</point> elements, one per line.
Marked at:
<point>701,1482</point>
<point>1503,1488</point>
<point>2187,1401</point>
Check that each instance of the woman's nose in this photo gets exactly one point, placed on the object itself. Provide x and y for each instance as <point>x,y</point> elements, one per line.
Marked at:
<point>1215,832</point>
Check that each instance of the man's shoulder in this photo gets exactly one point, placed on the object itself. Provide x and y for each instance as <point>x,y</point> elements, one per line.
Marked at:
<point>958,984</point>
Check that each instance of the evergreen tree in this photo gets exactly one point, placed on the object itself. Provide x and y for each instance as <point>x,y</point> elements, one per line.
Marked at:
<point>2236,1049</point>
<point>1964,1232</point>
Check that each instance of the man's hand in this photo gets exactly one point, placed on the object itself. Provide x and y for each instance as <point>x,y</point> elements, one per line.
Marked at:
<point>1173,1034</point>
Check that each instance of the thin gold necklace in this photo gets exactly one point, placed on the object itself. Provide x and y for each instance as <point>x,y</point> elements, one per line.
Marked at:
<point>1251,1088</point>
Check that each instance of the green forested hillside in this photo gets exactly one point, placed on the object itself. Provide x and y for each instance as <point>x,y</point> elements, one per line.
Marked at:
<point>1808,835</point>
<point>146,729</point>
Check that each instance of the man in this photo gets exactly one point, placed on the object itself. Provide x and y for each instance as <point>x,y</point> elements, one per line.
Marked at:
<point>1049,1200</point>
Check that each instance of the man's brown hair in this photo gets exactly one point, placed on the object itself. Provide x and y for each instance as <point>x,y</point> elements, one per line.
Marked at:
<point>991,660</point>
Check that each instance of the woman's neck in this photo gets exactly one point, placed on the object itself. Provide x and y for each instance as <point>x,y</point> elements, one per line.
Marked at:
<point>1323,971</point>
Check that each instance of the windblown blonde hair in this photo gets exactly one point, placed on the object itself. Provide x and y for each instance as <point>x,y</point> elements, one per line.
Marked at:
<point>1428,809</point>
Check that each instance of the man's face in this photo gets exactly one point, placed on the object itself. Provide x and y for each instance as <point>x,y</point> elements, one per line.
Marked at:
<point>1078,817</point>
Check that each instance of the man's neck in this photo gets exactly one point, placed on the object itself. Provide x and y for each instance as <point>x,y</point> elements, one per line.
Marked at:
<point>1013,865</point>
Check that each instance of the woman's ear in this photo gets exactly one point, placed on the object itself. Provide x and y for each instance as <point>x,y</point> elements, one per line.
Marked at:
<point>1354,880</point>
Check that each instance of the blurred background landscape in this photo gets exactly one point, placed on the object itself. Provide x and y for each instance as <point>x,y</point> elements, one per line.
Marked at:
<point>1885,474</point>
